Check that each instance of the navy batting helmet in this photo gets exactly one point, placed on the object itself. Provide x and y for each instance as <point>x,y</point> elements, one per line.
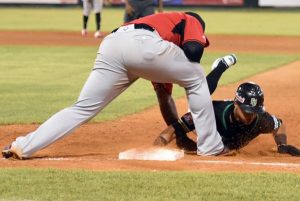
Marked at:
<point>250,98</point>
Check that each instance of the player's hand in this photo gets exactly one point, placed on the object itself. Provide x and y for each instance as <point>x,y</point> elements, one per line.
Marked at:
<point>165,137</point>
<point>288,149</point>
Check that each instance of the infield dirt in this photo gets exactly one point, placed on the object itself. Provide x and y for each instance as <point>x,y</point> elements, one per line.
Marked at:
<point>96,145</point>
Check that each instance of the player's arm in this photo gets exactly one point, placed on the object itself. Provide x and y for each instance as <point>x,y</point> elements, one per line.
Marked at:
<point>194,41</point>
<point>281,141</point>
<point>193,50</point>
<point>166,102</point>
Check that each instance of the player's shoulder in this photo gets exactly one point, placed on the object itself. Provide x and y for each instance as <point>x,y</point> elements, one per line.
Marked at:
<point>222,104</point>
<point>265,115</point>
<point>267,118</point>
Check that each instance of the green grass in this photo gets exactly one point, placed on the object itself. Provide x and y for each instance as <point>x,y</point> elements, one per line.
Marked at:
<point>35,82</point>
<point>40,81</point>
<point>58,185</point>
<point>220,21</point>
<point>251,22</point>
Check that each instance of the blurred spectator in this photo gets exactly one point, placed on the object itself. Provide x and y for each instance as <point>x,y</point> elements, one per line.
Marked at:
<point>135,9</point>
<point>97,6</point>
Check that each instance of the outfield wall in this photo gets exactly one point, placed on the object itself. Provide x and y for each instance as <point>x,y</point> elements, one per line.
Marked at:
<point>63,2</point>
<point>279,3</point>
<point>193,2</point>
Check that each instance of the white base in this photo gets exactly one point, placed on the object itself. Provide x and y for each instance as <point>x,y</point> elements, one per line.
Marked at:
<point>155,154</point>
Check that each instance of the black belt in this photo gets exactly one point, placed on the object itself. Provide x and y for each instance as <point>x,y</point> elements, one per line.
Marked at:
<point>139,26</point>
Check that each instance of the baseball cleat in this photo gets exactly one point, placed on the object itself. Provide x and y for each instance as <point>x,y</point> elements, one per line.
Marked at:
<point>9,153</point>
<point>97,34</point>
<point>84,32</point>
<point>228,60</point>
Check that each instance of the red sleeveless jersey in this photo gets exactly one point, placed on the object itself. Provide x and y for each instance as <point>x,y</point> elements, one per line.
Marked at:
<point>176,27</point>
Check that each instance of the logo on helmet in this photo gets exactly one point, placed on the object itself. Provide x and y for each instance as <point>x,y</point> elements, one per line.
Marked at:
<point>239,98</point>
<point>253,102</point>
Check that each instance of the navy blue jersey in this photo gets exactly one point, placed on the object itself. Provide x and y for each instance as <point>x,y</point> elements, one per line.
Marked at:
<point>236,135</point>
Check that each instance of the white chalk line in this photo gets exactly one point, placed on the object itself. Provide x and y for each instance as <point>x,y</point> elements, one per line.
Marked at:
<point>221,162</point>
<point>75,159</point>
<point>295,165</point>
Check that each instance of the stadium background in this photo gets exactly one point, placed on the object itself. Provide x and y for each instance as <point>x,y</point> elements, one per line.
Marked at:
<point>36,61</point>
<point>232,3</point>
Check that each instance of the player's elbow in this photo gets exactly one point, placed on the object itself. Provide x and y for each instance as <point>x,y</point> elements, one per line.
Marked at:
<point>193,51</point>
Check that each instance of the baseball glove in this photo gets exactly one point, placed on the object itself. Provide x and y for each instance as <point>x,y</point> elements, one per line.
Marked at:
<point>187,144</point>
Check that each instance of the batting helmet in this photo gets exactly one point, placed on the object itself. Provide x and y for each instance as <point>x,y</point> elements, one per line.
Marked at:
<point>250,98</point>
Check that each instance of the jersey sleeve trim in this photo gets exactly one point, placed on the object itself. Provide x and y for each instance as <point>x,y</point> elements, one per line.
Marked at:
<point>223,115</point>
<point>277,123</point>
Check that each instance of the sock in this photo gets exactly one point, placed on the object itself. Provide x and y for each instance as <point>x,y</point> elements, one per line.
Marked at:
<point>98,20</point>
<point>214,76</point>
<point>85,20</point>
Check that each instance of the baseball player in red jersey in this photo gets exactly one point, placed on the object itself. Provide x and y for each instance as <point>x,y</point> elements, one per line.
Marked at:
<point>164,48</point>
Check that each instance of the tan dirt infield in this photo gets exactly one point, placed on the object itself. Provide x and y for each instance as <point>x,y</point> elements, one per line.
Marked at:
<point>227,43</point>
<point>95,146</point>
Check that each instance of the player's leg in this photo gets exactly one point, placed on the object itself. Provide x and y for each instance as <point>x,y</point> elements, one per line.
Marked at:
<point>107,80</point>
<point>99,90</point>
<point>98,5</point>
<point>160,61</point>
<point>219,66</point>
<point>87,7</point>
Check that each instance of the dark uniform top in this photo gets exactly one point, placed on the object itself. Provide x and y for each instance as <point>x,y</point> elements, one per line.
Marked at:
<point>236,135</point>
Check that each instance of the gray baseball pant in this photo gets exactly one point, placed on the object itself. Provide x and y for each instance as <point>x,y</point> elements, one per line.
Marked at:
<point>123,57</point>
<point>95,5</point>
